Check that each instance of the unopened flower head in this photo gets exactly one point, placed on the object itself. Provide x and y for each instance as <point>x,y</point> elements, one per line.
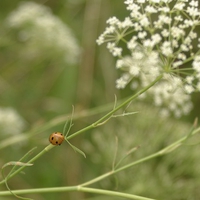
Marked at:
<point>38,26</point>
<point>159,36</point>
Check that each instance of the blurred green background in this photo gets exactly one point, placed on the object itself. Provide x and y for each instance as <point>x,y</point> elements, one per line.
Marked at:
<point>38,82</point>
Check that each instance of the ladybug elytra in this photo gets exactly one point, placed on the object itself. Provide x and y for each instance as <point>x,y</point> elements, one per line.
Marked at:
<point>56,138</point>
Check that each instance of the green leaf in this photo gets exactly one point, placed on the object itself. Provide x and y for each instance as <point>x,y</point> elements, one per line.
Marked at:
<point>77,149</point>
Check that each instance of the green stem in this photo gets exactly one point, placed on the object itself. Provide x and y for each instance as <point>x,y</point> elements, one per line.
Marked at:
<point>106,117</point>
<point>39,190</point>
<point>45,150</point>
<point>113,193</point>
<point>82,187</point>
<point>163,151</point>
<point>52,123</point>
<point>75,188</point>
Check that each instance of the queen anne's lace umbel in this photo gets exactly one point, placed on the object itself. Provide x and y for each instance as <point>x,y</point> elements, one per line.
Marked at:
<point>160,36</point>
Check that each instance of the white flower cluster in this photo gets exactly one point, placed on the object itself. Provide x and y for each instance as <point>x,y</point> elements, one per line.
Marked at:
<point>37,24</point>
<point>11,122</point>
<point>159,36</point>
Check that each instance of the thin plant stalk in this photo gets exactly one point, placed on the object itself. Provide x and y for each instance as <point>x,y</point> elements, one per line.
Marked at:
<point>94,125</point>
<point>108,115</point>
<point>45,150</point>
<point>82,187</point>
<point>76,188</point>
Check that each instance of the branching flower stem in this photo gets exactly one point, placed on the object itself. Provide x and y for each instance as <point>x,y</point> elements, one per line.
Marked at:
<point>162,152</point>
<point>108,115</point>
<point>94,125</point>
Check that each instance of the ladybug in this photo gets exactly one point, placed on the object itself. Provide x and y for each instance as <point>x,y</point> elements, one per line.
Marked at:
<point>56,138</point>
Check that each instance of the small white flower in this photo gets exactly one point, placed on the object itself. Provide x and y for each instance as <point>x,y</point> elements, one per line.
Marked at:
<point>178,18</point>
<point>189,79</point>
<point>184,48</point>
<point>116,51</point>
<point>156,38</point>
<point>175,43</point>
<point>194,3</point>
<point>119,63</point>
<point>127,23</point>
<point>181,56</point>
<point>164,9</point>
<point>122,81</point>
<point>112,21</point>
<point>192,35</point>
<point>150,9</point>
<point>177,32</point>
<point>148,43</point>
<point>166,49</point>
<point>192,11</point>
<point>155,1</point>
<point>110,30</point>
<point>189,89</point>
<point>196,64</point>
<point>134,70</point>
<point>128,1</point>
<point>100,40</point>
<point>137,55</point>
<point>132,44</point>
<point>142,34</point>
<point>179,6</point>
<point>163,19</point>
<point>188,23</point>
<point>141,1</point>
<point>137,27</point>
<point>165,33</point>
<point>144,21</point>
<point>177,64</point>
